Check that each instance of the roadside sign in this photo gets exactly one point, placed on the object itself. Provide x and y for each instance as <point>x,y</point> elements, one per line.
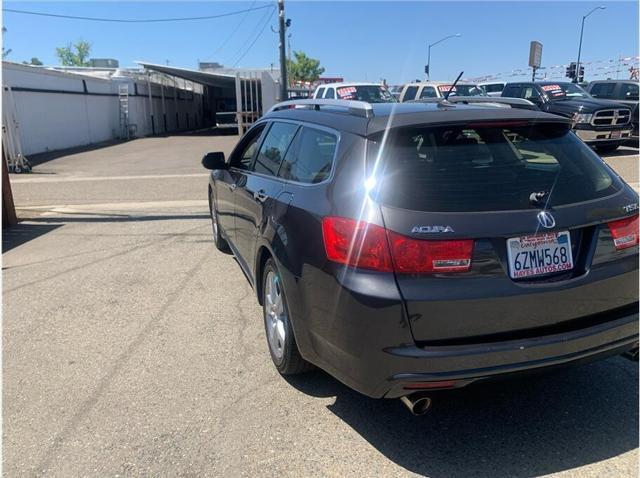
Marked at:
<point>535,54</point>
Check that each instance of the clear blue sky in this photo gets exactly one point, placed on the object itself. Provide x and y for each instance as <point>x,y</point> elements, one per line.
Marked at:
<point>356,40</point>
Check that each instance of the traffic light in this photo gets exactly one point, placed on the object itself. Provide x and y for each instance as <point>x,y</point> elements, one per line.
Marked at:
<point>571,70</point>
<point>581,74</point>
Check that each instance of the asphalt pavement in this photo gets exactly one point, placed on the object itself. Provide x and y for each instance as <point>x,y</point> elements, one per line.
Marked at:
<point>132,347</point>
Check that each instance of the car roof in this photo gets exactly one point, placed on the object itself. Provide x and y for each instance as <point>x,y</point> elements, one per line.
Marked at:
<point>613,81</point>
<point>354,83</point>
<point>439,83</point>
<point>547,82</point>
<point>393,115</point>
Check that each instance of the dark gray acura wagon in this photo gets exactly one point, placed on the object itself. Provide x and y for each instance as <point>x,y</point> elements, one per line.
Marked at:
<point>405,248</point>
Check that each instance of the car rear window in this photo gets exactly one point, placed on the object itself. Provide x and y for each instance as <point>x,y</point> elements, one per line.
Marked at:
<point>482,167</point>
<point>368,93</point>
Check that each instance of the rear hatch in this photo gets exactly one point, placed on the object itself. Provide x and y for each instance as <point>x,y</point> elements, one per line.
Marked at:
<point>504,230</point>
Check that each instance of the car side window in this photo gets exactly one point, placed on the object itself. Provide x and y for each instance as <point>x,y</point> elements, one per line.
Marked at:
<point>511,91</point>
<point>242,157</point>
<point>310,158</point>
<point>319,93</point>
<point>603,90</point>
<point>529,92</point>
<point>629,91</point>
<point>330,94</point>
<point>274,147</point>
<point>428,92</point>
<point>410,93</point>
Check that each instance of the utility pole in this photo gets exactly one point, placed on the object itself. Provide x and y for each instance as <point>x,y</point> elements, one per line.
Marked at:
<point>283,56</point>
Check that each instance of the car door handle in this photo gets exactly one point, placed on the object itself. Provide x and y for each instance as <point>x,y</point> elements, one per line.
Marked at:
<point>260,196</point>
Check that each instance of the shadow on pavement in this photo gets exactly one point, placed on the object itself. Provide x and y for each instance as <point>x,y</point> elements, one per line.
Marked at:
<point>619,152</point>
<point>522,427</point>
<point>21,233</point>
<point>41,158</point>
<point>67,218</point>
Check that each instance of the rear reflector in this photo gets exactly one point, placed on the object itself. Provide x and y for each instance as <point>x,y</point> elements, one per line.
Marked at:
<point>360,244</point>
<point>624,232</point>
<point>420,256</point>
<point>356,243</point>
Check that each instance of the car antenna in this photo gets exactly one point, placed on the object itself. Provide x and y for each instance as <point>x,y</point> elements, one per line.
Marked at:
<point>446,95</point>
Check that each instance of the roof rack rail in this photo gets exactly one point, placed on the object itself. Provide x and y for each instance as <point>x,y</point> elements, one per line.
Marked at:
<point>355,108</point>
<point>512,102</point>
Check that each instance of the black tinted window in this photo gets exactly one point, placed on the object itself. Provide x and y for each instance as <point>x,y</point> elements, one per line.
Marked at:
<point>494,88</point>
<point>511,91</point>
<point>330,94</point>
<point>628,91</point>
<point>319,93</point>
<point>603,90</point>
<point>485,168</point>
<point>243,157</point>
<point>428,92</point>
<point>310,157</point>
<point>274,147</point>
<point>410,94</point>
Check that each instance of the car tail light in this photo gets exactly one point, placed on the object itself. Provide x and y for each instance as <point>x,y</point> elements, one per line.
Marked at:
<point>421,256</point>
<point>360,244</point>
<point>624,232</point>
<point>356,243</point>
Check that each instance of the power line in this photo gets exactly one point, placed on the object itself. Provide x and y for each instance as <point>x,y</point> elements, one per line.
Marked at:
<point>256,38</point>
<point>133,20</point>
<point>247,40</point>
<point>235,30</point>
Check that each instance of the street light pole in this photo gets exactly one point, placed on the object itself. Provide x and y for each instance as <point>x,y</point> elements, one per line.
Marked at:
<point>428,72</point>
<point>601,7</point>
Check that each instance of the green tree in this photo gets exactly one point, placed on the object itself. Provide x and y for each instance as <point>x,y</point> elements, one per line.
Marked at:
<point>304,68</point>
<point>34,61</point>
<point>5,51</point>
<point>74,54</point>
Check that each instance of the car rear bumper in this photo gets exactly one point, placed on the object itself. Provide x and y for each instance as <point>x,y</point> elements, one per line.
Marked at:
<point>357,329</point>
<point>464,364</point>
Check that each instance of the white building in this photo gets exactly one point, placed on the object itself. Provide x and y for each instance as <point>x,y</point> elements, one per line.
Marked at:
<point>52,108</point>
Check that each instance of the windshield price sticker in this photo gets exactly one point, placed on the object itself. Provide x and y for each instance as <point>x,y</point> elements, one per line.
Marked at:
<point>347,92</point>
<point>539,254</point>
<point>445,88</point>
<point>551,87</point>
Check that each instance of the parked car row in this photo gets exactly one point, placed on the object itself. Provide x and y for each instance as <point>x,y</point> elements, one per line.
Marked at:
<point>604,116</point>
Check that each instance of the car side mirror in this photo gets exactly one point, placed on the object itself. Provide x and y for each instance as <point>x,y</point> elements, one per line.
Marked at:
<point>214,161</point>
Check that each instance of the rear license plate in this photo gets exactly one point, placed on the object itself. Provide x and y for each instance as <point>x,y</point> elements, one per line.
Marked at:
<point>539,254</point>
<point>616,134</point>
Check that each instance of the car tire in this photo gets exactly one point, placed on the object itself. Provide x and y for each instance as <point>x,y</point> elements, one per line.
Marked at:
<point>277,324</point>
<point>610,148</point>
<point>221,243</point>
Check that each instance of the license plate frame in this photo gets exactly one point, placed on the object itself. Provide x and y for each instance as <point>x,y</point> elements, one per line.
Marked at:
<point>535,255</point>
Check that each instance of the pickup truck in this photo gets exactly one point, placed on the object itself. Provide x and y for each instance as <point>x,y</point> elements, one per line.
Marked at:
<point>602,124</point>
<point>621,91</point>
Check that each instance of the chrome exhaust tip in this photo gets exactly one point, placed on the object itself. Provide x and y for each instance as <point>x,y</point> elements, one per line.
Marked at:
<point>417,404</point>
